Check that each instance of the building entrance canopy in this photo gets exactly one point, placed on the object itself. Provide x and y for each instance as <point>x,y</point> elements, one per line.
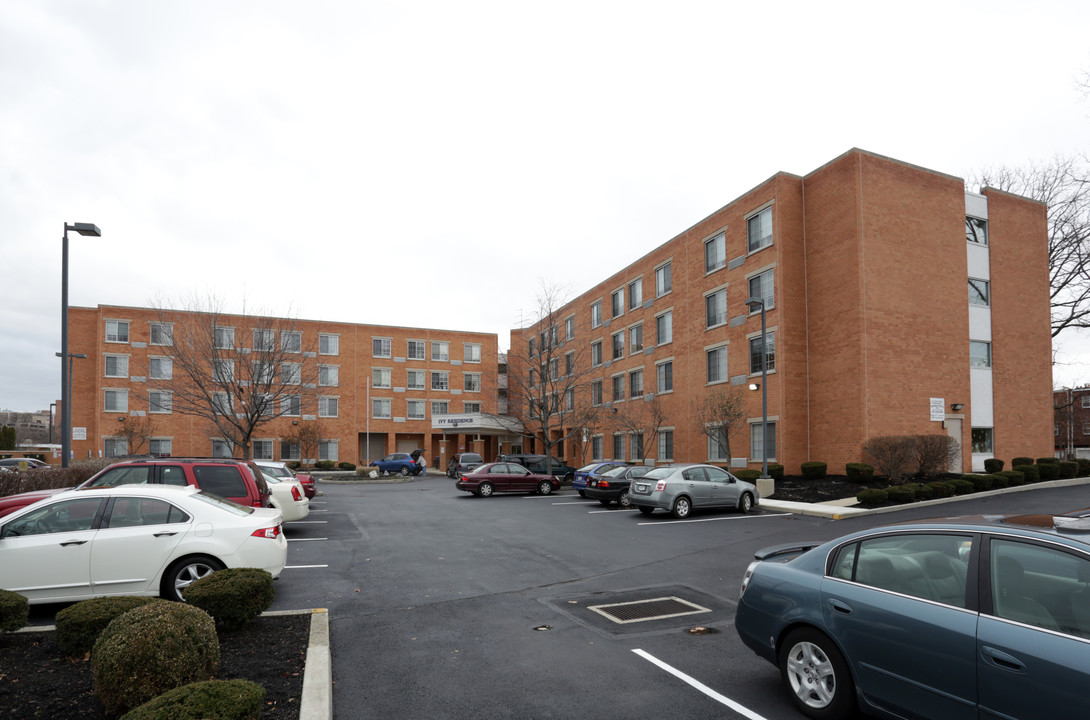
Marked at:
<point>476,424</point>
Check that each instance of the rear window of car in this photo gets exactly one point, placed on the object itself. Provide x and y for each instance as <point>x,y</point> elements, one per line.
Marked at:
<point>222,503</point>
<point>224,481</point>
<point>122,475</point>
<point>471,457</point>
<point>659,473</point>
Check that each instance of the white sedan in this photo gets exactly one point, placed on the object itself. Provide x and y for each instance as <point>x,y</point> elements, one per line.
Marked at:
<point>132,540</point>
<point>287,496</point>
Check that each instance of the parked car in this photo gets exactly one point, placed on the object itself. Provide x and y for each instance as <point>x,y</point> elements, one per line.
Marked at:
<point>463,462</point>
<point>288,497</point>
<point>236,480</point>
<point>985,616</point>
<point>680,489</point>
<point>281,470</point>
<point>536,463</point>
<point>484,480</point>
<point>133,540</point>
<point>399,462</point>
<point>581,477</point>
<point>612,486</point>
<point>21,463</point>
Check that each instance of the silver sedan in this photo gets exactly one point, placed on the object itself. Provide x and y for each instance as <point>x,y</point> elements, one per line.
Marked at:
<point>680,489</point>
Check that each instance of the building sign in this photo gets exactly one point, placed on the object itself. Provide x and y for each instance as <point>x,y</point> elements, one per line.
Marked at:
<point>938,409</point>
<point>453,421</point>
<point>79,433</point>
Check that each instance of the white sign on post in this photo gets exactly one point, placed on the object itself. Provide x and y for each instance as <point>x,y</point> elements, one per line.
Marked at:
<point>938,409</point>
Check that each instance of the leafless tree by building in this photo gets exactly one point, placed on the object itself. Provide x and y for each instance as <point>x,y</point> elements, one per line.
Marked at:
<point>719,413</point>
<point>642,420</point>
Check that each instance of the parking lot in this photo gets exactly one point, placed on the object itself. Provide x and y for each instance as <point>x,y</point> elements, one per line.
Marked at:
<point>447,605</point>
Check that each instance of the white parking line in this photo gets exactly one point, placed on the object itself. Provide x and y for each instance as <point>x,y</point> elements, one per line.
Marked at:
<point>309,522</point>
<point>713,519</point>
<point>740,709</point>
<point>578,502</point>
<point>305,539</point>
<point>303,567</point>
<point>598,512</point>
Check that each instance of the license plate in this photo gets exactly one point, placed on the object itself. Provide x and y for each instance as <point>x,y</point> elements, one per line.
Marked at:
<point>641,488</point>
<point>594,483</point>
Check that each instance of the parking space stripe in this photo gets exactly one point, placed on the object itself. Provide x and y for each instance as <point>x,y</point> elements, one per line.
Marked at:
<point>305,539</point>
<point>308,522</point>
<point>714,519</point>
<point>303,567</point>
<point>740,709</point>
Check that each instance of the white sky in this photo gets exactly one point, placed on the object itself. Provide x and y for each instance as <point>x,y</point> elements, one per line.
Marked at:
<point>431,163</point>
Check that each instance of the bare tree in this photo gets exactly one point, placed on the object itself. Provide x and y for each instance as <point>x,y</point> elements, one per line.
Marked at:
<point>237,371</point>
<point>719,413</point>
<point>308,435</point>
<point>1064,186</point>
<point>644,418</point>
<point>136,430</point>
<point>549,381</point>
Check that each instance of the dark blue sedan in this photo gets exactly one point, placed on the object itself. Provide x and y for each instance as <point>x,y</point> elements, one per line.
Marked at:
<point>583,475</point>
<point>979,617</point>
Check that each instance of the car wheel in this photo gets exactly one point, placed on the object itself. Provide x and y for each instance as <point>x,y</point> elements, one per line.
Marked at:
<point>569,478</point>
<point>815,673</point>
<point>186,572</point>
<point>623,500</point>
<point>646,510</point>
<point>485,490</point>
<point>605,502</point>
<point>745,503</point>
<point>682,507</point>
<point>404,471</point>
<point>582,493</point>
<point>544,488</point>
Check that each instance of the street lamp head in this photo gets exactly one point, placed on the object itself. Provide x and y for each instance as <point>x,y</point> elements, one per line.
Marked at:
<point>755,303</point>
<point>84,229</point>
<point>755,386</point>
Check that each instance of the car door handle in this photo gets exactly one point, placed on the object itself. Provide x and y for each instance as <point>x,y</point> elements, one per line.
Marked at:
<point>161,533</point>
<point>66,543</point>
<point>1002,659</point>
<point>841,607</point>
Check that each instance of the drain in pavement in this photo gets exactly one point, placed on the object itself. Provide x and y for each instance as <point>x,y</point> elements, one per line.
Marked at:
<point>644,610</point>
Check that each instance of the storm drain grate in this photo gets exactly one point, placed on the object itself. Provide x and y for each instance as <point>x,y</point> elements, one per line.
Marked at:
<point>644,610</point>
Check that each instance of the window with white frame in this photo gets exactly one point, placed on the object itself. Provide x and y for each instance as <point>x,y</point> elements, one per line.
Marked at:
<point>618,388</point>
<point>616,303</point>
<point>635,294</point>
<point>618,345</point>
<point>291,373</point>
<point>291,405</point>
<point>161,334</point>
<point>471,382</point>
<point>417,350</point>
<point>666,445</point>
<point>328,375</point>
<point>262,449</point>
<point>980,354</point>
<point>596,393</point>
<point>471,407</point>
<point>759,230</point>
<point>532,376</point>
<point>569,399</point>
<point>1086,401</point>
<point>763,286</point>
<point>569,363</point>
<point>292,341</point>
<point>471,352</point>
<point>596,447</point>
<point>381,407</point>
<point>223,370</point>
<point>264,371</point>
<point>717,364</point>
<point>554,368</point>
<point>223,338</point>
<point>663,283</point>
<point>618,446</point>
<point>415,409</point>
<point>290,450</point>
<point>980,292</point>
<point>117,331</point>
<point>264,339</point>
<point>635,383</point>
<point>415,379</point>
<point>159,402</point>
<point>715,253</point>
<point>440,407</point>
<point>160,447</point>
<point>114,447</point>
<point>380,377</point>
<point>569,328</point>
<point>1085,429</point>
<point>221,403</point>
<point>327,406</point>
<point>117,366</point>
<point>221,449</point>
<point>664,377</point>
<point>715,308</point>
<point>635,339</point>
<point>382,347</point>
<point>664,328</point>
<point>976,230</point>
<point>635,444</point>
<point>329,344</point>
<point>765,360</point>
<point>266,404</point>
<point>160,368</point>
<point>757,444</point>
<point>116,401</point>
<point>596,353</point>
<point>328,450</point>
<point>717,444</point>
<point>596,314</point>
<point>440,380</point>
<point>440,351</point>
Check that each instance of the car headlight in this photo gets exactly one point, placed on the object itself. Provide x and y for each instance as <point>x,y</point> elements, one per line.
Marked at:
<point>746,577</point>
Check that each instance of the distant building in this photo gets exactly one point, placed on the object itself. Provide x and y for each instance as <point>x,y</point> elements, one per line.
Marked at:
<point>1072,427</point>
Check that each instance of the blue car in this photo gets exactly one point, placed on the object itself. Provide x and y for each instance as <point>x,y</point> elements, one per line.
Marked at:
<point>976,617</point>
<point>582,475</point>
<point>400,463</point>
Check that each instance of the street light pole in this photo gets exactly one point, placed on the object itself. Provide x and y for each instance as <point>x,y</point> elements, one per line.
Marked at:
<point>66,367</point>
<point>758,302</point>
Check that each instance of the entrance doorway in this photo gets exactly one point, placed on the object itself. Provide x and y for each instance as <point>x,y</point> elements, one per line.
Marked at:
<point>953,429</point>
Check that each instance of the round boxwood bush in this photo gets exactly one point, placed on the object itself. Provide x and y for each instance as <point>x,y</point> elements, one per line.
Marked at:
<point>1014,477</point>
<point>1068,469</point>
<point>324,465</point>
<point>1048,471</point>
<point>345,466</point>
<point>746,474</point>
<point>1084,467</point>
<point>941,489</point>
<point>814,470</point>
<point>775,471</point>
<point>1021,461</point>
<point>79,625</point>
<point>962,486</point>
<point>980,482</point>
<point>234,596</point>
<point>1032,473</point>
<point>208,700</point>
<point>14,611</point>
<point>150,650</point>
<point>1048,461</point>
<point>901,494</point>
<point>999,480</point>
<point>859,472</point>
<point>992,465</point>
<point>871,496</point>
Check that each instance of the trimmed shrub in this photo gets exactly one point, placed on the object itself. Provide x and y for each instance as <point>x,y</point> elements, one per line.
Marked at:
<point>150,650</point>
<point>208,700</point>
<point>1069,469</point>
<point>1021,461</point>
<point>922,491</point>
<point>961,486</point>
<point>941,489</point>
<point>901,494</point>
<point>775,471</point>
<point>1031,473</point>
<point>859,472</point>
<point>1048,461</point>
<point>980,482</point>
<point>815,470</point>
<point>1084,467</point>
<point>746,474</point>
<point>1049,471</point>
<point>1014,477</point>
<point>893,456</point>
<point>325,465</point>
<point>999,481</point>
<point>234,596</point>
<point>992,465</point>
<point>14,611</point>
<point>294,464</point>
<point>871,496</point>
<point>79,625</point>
<point>345,466</point>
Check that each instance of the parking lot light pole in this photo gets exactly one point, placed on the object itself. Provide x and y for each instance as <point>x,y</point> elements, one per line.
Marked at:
<point>753,304</point>
<point>91,230</point>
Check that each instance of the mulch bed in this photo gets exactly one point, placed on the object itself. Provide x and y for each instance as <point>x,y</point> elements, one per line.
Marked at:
<point>832,487</point>
<point>36,681</point>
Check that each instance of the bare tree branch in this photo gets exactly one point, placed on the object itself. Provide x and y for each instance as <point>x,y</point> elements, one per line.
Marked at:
<point>718,413</point>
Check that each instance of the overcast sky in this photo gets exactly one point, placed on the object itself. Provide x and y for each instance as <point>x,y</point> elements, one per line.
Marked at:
<point>430,164</point>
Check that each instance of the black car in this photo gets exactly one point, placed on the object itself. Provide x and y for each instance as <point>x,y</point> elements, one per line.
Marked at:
<point>536,464</point>
<point>612,485</point>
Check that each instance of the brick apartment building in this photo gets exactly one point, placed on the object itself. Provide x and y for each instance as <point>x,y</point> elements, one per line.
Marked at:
<point>896,303</point>
<point>1072,426</point>
<point>379,389</point>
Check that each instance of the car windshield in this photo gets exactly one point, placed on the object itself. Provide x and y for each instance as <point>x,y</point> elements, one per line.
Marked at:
<point>659,473</point>
<point>588,468</point>
<point>271,479</point>
<point>222,503</point>
<point>271,471</point>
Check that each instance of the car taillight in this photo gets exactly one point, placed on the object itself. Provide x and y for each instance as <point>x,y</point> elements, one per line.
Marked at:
<point>746,577</point>
<point>603,483</point>
<point>296,494</point>
<point>271,532</point>
<point>660,486</point>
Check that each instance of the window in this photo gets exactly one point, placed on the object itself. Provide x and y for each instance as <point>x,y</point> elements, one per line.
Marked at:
<point>618,345</point>
<point>980,354</point>
<point>715,308</point>
<point>1034,585</point>
<point>662,280</point>
<point>117,331</point>
<point>976,230</point>
<point>596,447</point>
<point>414,409</point>
<point>569,399</point>
<point>664,377</point>
<point>979,292</point>
<point>471,352</point>
<point>440,351</point>
<point>382,347</point>
<point>757,446</point>
<point>221,403</point>
<point>264,339</point>
<point>440,407</point>
<point>666,445</point>
<point>532,377</point>
<point>291,373</point>
<point>289,450</point>
<point>116,401</point>
<point>554,368</point>
<point>417,350</point>
<point>381,408</point>
<point>416,380</point>
<point>223,338</point>
<point>327,406</point>
<point>221,449</point>
<point>596,314</point>
<point>471,407</point>
<point>1085,429</point>
<point>635,444</point>
<point>159,401</point>
<point>223,371</point>
<point>114,447</point>
<point>762,286</point>
<point>717,444</point>
<point>117,366</point>
<point>262,449</point>
<point>327,450</point>
<point>616,303</point>
<point>717,364</point>
<point>160,368</point>
<point>596,393</point>
<point>635,294</point>
<point>329,344</point>
<point>161,334</point>
<point>664,328</point>
<point>380,377</point>
<point>1086,401</point>
<point>715,253</point>
<point>596,353</point>
<point>159,447</point>
<point>932,567</point>
<point>292,341</point>
<point>440,380</point>
<point>635,383</point>
<point>569,363</point>
<point>291,405</point>
<point>618,447</point>
<point>981,439</point>
<point>471,382</point>
<point>759,230</point>
<point>767,361</point>
<point>264,372</point>
<point>328,375</point>
<point>635,339</point>
<point>569,328</point>
<point>618,388</point>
